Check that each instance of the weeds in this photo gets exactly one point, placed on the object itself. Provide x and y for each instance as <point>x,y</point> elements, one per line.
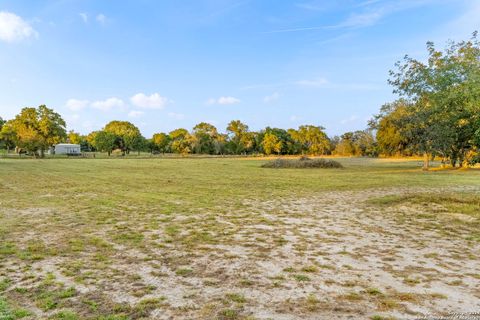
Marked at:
<point>302,163</point>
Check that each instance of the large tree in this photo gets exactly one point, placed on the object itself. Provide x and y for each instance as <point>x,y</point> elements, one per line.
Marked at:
<point>282,135</point>
<point>364,143</point>
<point>390,126</point>
<point>74,137</point>
<point>36,129</point>
<point>104,141</point>
<point>205,135</point>
<point>240,139</point>
<point>312,139</point>
<point>7,136</point>
<point>181,141</point>
<point>345,146</point>
<point>161,142</point>
<point>128,136</point>
<point>443,95</point>
<point>271,143</point>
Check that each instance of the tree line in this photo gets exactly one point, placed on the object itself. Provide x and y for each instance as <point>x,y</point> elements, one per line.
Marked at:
<point>437,114</point>
<point>34,130</point>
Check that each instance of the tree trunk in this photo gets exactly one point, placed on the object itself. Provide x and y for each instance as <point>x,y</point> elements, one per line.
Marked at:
<point>426,162</point>
<point>42,153</point>
<point>461,159</point>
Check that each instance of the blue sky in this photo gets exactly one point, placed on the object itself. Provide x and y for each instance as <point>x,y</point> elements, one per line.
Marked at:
<point>170,64</point>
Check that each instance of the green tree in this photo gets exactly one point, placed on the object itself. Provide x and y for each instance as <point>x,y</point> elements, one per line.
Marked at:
<point>104,141</point>
<point>240,139</point>
<point>364,143</point>
<point>205,135</point>
<point>220,143</point>
<point>294,146</point>
<point>161,141</point>
<point>36,129</point>
<point>444,99</point>
<point>282,135</point>
<point>390,126</point>
<point>7,136</point>
<point>181,141</point>
<point>74,137</point>
<point>90,139</point>
<point>128,136</point>
<point>313,139</point>
<point>271,143</point>
<point>345,147</point>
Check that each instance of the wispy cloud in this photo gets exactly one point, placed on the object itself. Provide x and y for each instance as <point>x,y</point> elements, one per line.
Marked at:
<point>14,29</point>
<point>84,17</point>
<point>466,22</point>
<point>364,14</point>
<point>296,29</point>
<point>101,18</point>
<point>223,100</point>
<point>220,10</point>
<point>270,98</point>
<point>319,82</point>
<point>360,20</point>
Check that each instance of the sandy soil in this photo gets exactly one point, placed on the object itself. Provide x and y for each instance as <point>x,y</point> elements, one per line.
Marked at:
<point>329,256</point>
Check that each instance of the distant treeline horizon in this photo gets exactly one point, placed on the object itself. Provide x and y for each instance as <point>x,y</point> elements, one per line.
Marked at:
<point>437,114</point>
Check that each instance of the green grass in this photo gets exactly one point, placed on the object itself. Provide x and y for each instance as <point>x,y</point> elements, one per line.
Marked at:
<point>461,202</point>
<point>195,181</point>
<point>92,215</point>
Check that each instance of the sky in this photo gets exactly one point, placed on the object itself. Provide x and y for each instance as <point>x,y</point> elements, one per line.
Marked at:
<point>174,63</point>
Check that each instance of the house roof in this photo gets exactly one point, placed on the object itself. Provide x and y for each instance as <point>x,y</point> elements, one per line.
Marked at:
<point>67,145</point>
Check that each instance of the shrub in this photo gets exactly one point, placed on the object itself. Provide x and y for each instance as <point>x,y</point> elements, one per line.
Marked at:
<point>303,162</point>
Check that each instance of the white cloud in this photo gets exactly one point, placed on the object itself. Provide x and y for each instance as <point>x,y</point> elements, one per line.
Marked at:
<point>101,18</point>
<point>228,100</point>
<point>274,96</point>
<point>76,105</point>
<point>153,101</point>
<point>108,104</point>
<point>223,100</point>
<point>177,116</point>
<point>358,20</point>
<point>13,28</point>
<point>135,113</point>
<point>84,17</point>
<point>319,82</point>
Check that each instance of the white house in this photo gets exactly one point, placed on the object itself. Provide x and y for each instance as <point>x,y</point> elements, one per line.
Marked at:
<point>67,148</point>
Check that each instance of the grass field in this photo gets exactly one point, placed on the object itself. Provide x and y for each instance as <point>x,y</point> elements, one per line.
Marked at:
<point>226,239</point>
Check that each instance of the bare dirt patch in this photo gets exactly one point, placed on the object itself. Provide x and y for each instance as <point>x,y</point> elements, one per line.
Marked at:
<point>329,256</point>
